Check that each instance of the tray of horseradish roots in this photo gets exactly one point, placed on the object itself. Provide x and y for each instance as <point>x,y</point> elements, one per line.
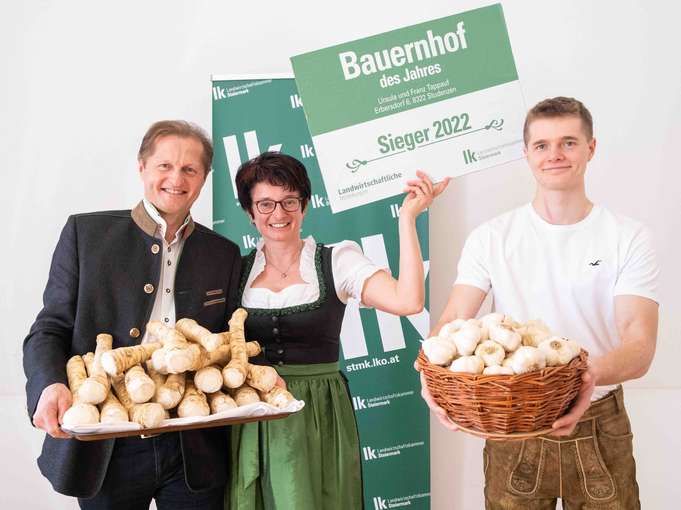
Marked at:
<point>185,378</point>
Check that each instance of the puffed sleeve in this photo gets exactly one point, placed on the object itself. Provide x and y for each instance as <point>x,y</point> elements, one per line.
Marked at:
<point>351,268</point>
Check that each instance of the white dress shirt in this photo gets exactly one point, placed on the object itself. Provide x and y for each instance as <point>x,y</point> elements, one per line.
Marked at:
<point>164,302</point>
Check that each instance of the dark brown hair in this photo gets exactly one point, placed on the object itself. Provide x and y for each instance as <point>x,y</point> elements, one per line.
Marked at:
<point>180,128</point>
<point>276,169</point>
<point>559,107</point>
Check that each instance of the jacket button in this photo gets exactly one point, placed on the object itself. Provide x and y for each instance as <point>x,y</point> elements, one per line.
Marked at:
<point>148,288</point>
<point>275,318</point>
<point>280,351</point>
<point>155,248</point>
<point>280,363</point>
<point>134,333</point>
<point>275,331</point>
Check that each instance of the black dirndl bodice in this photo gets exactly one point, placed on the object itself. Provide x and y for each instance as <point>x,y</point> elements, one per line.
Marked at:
<point>300,334</point>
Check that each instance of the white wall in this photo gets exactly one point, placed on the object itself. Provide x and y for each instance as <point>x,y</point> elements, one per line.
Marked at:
<point>82,81</point>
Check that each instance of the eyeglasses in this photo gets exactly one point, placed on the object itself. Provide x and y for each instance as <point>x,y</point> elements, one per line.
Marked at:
<point>290,204</point>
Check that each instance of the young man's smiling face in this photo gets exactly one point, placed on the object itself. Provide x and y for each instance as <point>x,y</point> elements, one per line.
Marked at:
<point>558,151</point>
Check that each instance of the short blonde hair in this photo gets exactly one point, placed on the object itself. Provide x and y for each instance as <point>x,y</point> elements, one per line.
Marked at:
<point>180,128</point>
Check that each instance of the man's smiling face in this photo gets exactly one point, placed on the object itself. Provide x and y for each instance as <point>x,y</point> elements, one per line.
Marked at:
<point>173,175</point>
<point>558,151</point>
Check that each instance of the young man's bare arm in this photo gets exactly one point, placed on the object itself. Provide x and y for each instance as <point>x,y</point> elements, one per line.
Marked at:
<point>464,303</point>
<point>636,320</point>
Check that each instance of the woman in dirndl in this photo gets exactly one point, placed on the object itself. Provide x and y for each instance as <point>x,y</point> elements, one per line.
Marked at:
<point>295,291</point>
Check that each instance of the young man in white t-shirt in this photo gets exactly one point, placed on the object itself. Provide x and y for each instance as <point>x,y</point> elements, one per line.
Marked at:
<point>590,275</point>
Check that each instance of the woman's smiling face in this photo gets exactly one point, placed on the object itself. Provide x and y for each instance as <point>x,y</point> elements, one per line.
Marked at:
<point>278,225</point>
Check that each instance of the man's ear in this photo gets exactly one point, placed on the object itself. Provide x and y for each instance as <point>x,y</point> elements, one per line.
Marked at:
<point>140,165</point>
<point>592,148</point>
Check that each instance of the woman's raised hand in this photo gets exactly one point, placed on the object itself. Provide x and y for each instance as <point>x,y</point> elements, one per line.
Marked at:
<point>420,194</point>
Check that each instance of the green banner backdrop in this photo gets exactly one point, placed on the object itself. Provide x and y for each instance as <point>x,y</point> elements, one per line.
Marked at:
<point>255,114</point>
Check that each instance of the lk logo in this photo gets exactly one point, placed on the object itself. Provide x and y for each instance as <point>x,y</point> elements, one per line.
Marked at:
<point>318,201</point>
<point>306,151</point>
<point>369,453</point>
<point>295,101</point>
<point>249,241</point>
<point>380,504</point>
<point>359,403</point>
<point>469,157</point>
<point>234,157</point>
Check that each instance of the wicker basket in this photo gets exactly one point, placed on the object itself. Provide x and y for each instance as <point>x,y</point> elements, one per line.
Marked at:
<point>505,404</point>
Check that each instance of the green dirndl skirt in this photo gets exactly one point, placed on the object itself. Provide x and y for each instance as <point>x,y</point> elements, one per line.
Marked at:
<point>309,460</point>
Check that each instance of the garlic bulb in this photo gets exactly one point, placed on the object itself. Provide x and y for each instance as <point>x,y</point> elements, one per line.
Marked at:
<point>467,364</point>
<point>492,319</point>
<point>534,332</point>
<point>490,352</point>
<point>538,324</point>
<point>509,323</point>
<point>533,339</point>
<point>557,351</point>
<point>476,323</point>
<point>466,339</point>
<point>438,350</point>
<point>509,339</point>
<point>527,359</point>
<point>576,348</point>
<point>497,370</point>
<point>451,327</point>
